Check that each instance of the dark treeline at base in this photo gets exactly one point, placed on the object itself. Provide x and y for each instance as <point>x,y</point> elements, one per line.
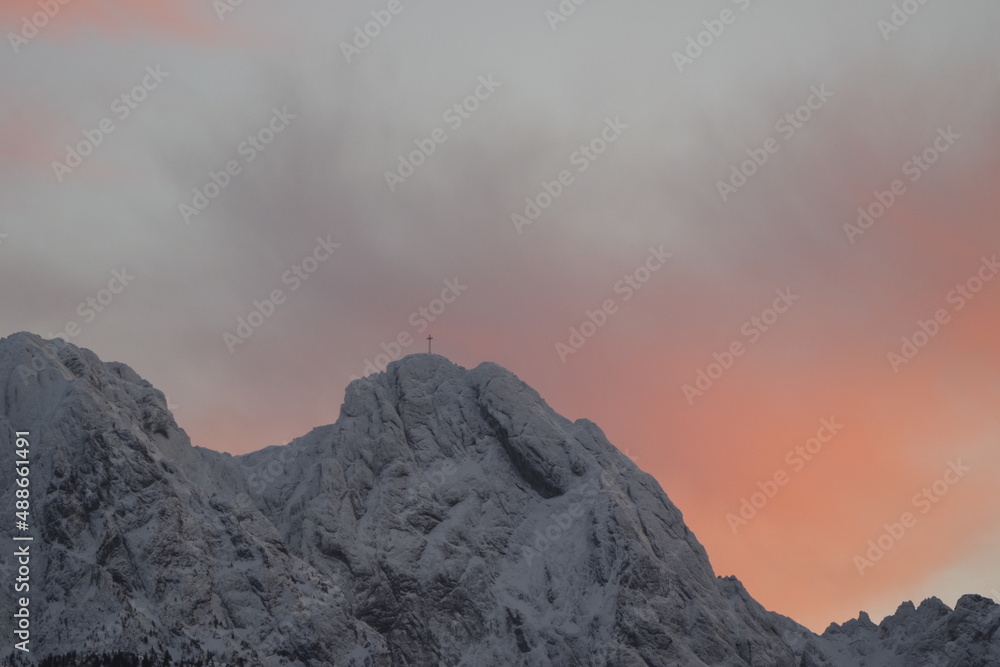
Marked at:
<point>72,659</point>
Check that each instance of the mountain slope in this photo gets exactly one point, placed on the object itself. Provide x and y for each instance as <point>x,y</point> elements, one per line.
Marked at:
<point>469,523</point>
<point>448,517</point>
<point>138,541</point>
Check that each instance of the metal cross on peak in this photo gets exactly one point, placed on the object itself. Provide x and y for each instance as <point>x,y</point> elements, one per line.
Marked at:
<point>429,339</point>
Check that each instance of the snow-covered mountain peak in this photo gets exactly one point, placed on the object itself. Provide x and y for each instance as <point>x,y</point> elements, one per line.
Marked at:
<point>449,517</point>
<point>41,379</point>
<point>417,377</point>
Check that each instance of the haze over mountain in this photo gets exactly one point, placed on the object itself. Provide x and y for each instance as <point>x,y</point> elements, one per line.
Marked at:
<point>448,517</point>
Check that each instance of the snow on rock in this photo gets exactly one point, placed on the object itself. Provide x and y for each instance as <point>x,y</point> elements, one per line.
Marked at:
<point>448,517</point>
<point>932,634</point>
<point>137,545</point>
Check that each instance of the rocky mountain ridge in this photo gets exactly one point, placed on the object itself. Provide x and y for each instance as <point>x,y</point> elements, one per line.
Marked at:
<point>448,517</point>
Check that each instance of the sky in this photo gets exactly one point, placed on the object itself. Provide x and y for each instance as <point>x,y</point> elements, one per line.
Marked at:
<point>755,241</point>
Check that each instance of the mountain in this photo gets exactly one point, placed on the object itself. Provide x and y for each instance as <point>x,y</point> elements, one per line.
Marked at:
<point>448,517</point>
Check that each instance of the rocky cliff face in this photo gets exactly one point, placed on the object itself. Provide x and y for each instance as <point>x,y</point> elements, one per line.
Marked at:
<point>448,517</point>
<point>140,538</point>
<point>931,635</point>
